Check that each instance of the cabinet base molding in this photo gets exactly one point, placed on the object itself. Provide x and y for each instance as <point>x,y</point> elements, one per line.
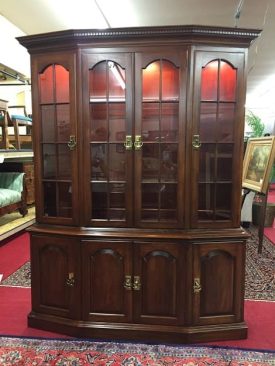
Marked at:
<point>138,332</point>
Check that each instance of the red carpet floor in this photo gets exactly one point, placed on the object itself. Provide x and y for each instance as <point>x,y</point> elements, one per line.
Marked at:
<point>15,304</point>
<point>19,245</point>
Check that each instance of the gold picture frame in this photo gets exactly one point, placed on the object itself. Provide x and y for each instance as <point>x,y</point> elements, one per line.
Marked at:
<point>258,162</point>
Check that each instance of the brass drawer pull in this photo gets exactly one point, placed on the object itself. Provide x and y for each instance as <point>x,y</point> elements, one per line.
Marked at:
<point>137,283</point>
<point>128,282</point>
<point>70,281</point>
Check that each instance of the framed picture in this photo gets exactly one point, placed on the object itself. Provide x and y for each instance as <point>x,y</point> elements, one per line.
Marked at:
<point>258,162</point>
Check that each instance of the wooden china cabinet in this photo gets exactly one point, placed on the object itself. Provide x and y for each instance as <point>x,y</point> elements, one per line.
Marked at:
<point>138,139</point>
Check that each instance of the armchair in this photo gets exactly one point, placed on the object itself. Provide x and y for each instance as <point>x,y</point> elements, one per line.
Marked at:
<point>12,193</point>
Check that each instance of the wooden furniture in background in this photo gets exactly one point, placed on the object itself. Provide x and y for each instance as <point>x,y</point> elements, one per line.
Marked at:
<point>12,193</point>
<point>138,136</point>
<point>26,167</point>
<point>17,117</point>
<point>4,124</point>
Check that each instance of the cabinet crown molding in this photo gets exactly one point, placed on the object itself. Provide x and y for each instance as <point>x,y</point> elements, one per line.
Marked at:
<point>194,33</point>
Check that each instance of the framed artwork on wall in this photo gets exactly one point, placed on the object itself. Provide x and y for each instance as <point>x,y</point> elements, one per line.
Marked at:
<point>258,162</point>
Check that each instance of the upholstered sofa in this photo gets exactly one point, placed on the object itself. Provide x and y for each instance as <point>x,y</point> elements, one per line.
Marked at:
<point>12,193</point>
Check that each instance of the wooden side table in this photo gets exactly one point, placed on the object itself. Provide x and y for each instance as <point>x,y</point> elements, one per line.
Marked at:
<point>4,124</point>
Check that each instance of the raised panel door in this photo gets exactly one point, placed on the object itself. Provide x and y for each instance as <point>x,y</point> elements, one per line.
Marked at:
<point>218,282</point>
<point>159,283</point>
<point>55,276</point>
<point>217,139</point>
<point>107,281</point>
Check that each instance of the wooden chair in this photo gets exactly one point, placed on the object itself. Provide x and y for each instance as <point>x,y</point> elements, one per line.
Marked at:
<point>4,129</point>
<point>17,117</point>
<point>5,144</point>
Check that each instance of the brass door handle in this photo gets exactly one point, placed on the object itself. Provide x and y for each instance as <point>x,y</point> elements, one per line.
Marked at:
<point>137,283</point>
<point>70,281</point>
<point>72,142</point>
<point>197,285</point>
<point>138,143</point>
<point>196,142</point>
<point>128,282</point>
<point>128,142</point>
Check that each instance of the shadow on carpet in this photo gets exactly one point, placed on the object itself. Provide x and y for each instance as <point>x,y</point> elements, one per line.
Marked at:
<point>259,278</point>
<point>84,352</point>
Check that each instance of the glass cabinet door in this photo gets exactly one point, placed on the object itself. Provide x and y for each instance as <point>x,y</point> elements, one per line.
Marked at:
<point>109,139</point>
<point>57,142</point>
<point>217,140</point>
<point>159,140</point>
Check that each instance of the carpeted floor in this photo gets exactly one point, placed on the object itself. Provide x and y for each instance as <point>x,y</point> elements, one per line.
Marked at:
<point>20,278</point>
<point>260,271</point>
<point>13,223</point>
<point>29,351</point>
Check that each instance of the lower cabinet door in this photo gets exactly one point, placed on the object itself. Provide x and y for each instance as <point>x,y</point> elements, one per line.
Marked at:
<point>159,283</point>
<point>107,280</point>
<point>55,275</point>
<point>218,282</point>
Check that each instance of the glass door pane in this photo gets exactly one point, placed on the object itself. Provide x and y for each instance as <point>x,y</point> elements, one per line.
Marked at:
<point>55,133</point>
<point>160,139</point>
<point>216,131</point>
<point>107,95</point>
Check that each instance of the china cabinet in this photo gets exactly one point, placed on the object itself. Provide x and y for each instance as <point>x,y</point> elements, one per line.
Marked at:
<point>138,135</point>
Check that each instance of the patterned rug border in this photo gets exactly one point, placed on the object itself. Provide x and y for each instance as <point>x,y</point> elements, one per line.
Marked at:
<point>21,278</point>
<point>40,351</point>
<point>125,341</point>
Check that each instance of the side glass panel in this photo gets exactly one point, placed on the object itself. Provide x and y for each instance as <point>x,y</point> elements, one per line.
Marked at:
<point>159,132</point>
<point>216,130</point>
<point>107,93</point>
<point>55,132</point>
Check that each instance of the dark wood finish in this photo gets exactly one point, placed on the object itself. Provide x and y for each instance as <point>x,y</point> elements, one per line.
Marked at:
<point>105,265</point>
<point>151,232</point>
<point>56,281</point>
<point>159,300</point>
<point>5,143</point>
<point>220,267</point>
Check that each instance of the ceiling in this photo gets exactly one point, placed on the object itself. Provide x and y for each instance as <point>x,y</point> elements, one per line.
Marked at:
<point>39,16</point>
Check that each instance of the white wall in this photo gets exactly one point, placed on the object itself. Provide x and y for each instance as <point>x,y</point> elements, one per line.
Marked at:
<point>262,103</point>
<point>16,57</point>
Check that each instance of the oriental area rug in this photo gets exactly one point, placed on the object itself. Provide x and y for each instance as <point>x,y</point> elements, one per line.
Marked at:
<point>46,352</point>
<point>259,280</point>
